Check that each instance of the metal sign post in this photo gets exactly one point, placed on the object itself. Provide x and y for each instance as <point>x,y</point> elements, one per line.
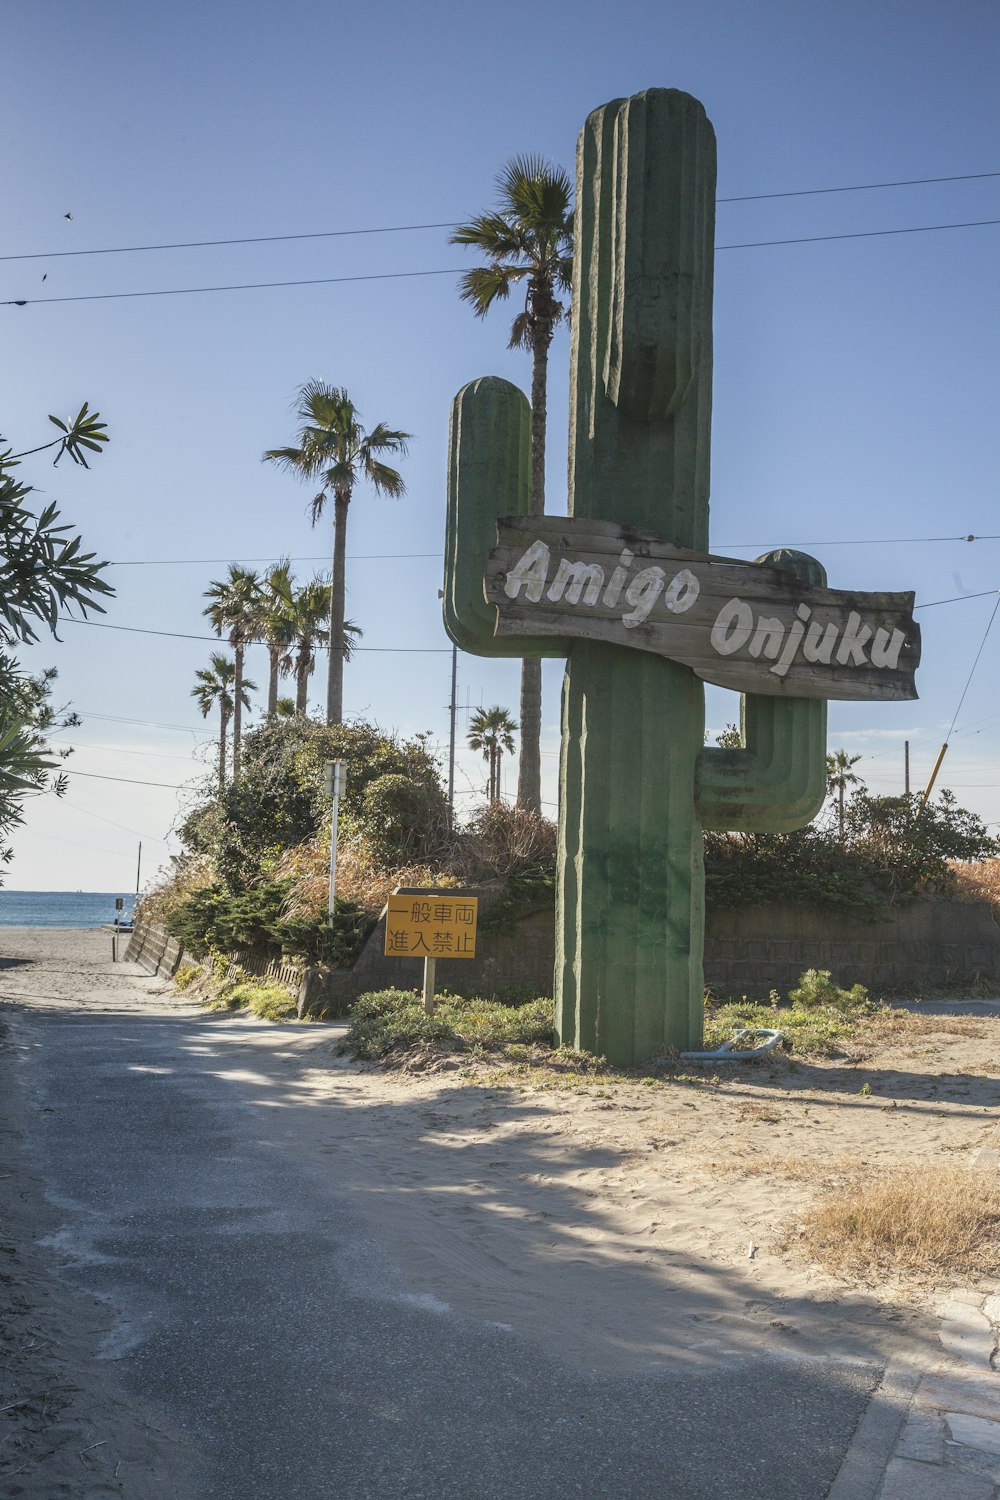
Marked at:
<point>334,781</point>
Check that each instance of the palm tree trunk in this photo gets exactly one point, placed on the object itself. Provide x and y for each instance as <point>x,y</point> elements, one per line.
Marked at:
<point>335,681</point>
<point>224,725</point>
<point>841,812</point>
<point>529,772</point>
<point>238,650</point>
<point>272,682</point>
<point>302,678</point>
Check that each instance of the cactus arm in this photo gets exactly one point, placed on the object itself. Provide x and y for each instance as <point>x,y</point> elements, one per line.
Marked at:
<point>777,781</point>
<point>489,475</point>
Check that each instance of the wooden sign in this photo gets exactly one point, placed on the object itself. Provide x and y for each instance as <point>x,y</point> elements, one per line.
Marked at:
<point>736,624</point>
<point>431,924</point>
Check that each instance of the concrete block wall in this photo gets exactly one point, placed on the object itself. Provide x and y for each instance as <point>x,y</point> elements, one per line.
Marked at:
<point>748,951</point>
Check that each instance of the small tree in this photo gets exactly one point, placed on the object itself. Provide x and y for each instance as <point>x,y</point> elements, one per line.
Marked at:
<point>43,573</point>
<point>839,777</point>
<point>216,685</point>
<point>237,611</point>
<point>492,731</point>
<point>335,448</point>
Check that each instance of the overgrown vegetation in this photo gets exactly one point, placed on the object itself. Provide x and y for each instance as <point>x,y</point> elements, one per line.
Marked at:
<point>256,874</point>
<point>926,1220</point>
<point>392,1023</point>
<point>213,919</point>
<point>43,573</point>
<point>892,850</point>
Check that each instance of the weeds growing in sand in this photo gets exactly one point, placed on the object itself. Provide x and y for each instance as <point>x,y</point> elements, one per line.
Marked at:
<point>263,997</point>
<point>924,1220</point>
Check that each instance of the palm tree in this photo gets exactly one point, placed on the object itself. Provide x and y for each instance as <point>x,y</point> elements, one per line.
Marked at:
<point>311,614</point>
<point>839,777</point>
<point>492,730</point>
<point>237,610</point>
<point>334,447</point>
<point>527,237</point>
<point>217,685</point>
<point>278,626</point>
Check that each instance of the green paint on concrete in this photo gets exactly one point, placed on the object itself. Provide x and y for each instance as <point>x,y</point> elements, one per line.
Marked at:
<point>637,786</point>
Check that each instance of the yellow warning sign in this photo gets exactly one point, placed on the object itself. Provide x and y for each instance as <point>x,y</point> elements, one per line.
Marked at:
<point>431,924</point>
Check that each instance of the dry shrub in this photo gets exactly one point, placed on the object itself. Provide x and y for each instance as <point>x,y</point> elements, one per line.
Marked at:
<point>978,881</point>
<point>360,877</point>
<point>503,841</point>
<point>924,1220</point>
<point>889,1025</point>
<point>191,873</point>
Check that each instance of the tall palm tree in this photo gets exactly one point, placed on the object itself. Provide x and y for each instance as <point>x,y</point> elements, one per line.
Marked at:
<point>839,777</point>
<point>334,447</point>
<point>278,626</point>
<point>236,611</point>
<point>527,237</point>
<point>492,730</point>
<point>217,685</point>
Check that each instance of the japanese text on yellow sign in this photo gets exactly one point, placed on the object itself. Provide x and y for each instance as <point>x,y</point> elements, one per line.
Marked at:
<point>431,924</point>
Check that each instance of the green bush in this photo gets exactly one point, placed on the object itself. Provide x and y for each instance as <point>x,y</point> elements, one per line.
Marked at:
<point>216,920</point>
<point>816,988</point>
<point>392,1021</point>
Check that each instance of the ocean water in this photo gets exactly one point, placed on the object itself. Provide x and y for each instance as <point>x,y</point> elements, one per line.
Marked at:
<point>61,908</point>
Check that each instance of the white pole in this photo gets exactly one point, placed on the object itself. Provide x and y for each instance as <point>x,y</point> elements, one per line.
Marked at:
<point>338,780</point>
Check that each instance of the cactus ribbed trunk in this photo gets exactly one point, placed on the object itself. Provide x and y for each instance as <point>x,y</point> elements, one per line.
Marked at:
<point>630,915</point>
<point>637,785</point>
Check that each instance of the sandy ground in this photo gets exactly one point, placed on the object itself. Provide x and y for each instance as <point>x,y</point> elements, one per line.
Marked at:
<point>501,1198</point>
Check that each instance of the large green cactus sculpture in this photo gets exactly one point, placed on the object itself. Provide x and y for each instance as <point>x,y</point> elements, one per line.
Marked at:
<point>637,786</point>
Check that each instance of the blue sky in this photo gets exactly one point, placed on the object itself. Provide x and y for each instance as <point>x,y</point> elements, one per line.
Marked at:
<point>856,381</point>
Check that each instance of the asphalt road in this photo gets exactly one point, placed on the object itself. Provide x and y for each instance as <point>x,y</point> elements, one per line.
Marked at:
<point>255,1309</point>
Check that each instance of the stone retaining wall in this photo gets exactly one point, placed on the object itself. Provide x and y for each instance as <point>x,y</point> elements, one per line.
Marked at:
<point>748,951</point>
<point>929,945</point>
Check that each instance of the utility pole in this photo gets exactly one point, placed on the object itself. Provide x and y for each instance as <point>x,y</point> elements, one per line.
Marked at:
<point>138,868</point>
<point>906,767</point>
<point>451,743</point>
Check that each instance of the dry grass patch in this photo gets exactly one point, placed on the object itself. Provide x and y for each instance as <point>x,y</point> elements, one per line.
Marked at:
<point>785,1166</point>
<point>924,1220</point>
<point>759,1114</point>
<point>888,1025</point>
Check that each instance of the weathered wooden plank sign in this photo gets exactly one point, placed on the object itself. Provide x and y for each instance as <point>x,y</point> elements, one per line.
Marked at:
<point>739,625</point>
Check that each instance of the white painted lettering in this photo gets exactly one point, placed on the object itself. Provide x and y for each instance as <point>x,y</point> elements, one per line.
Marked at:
<point>682,592</point>
<point>852,642</point>
<point>576,579</point>
<point>819,643</point>
<point>732,628</point>
<point>886,648</point>
<point>767,638</point>
<point>529,572</point>
<point>616,582</point>
<point>792,641</point>
<point>643,592</point>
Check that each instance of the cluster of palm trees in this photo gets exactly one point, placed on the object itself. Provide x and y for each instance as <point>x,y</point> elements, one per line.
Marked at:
<point>292,621</point>
<point>492,731</point>
<point>527,240</point>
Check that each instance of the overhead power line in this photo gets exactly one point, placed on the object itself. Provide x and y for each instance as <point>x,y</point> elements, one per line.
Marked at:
<point>254,286</point>
<point>96,776</point>
<point>215,640</point>
<point>333,234</point>
<point>888,541</point>
<point>169,562</point>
